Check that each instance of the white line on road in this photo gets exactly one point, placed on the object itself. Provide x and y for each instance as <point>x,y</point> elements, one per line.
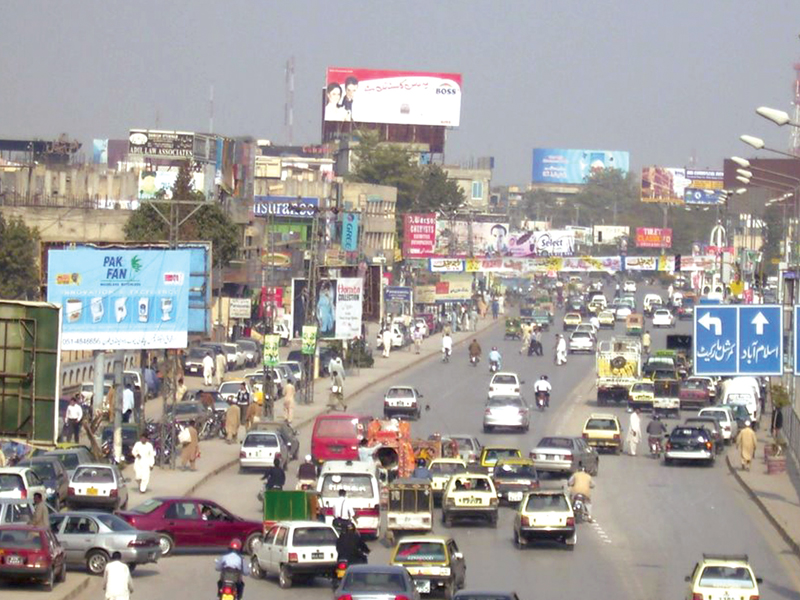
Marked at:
<point>601,532</point>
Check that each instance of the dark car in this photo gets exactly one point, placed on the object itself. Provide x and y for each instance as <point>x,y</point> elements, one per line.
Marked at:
<point>72,457</point>
<point>469,595</point>
<point>53,474</point>
<point>130,435</point>
<point>200,396</point>
<point>31,553</point>
<point>689,444</point>
<point>713,426</point>
<point>193,361</point>
<point>183,412</point>
<point>376,582</point>
<point>191,523</point>
<point>285,431</point>
<point>694,394</point>
<point>325,355</point>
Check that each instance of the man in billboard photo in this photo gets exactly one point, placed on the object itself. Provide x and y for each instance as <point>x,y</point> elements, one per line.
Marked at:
<point>334,111</point>
<point>350,87</point>
<point>497,243</point>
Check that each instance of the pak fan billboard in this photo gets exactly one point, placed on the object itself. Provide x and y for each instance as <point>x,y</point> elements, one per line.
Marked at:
<point>653,237</point>
<point>703,187</point>
<point>572,167</point>
<point>393,97</point>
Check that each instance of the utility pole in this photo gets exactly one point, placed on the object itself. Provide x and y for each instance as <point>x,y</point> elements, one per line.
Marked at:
<point>268,385</point>
<point>310,360</point>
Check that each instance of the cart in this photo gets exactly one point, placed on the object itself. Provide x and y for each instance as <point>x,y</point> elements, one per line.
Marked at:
<point>410,507</point>
<point>289,505</point>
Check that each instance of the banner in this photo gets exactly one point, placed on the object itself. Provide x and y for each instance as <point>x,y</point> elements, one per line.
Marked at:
<point>454,287</point>
<point>476,238</point>
<point>271,346</point>
<point>115,299</point>
<point>239,308</point>
<point>396,293</point>
<point>285,206</point>
<point>309,339</point>
<point>553,242</point>
<point>609,234</point>
<point>349,295</point>
<point>665,185</point>
<point>425,294</point>
<point>419,235</point>
<point>163,144</point>
<point>572,167</point>
<point>350,232</point>
<point>449,265</point>
<point>653,237</point>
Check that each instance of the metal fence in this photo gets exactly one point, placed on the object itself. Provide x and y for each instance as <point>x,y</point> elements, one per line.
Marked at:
<point>791,433</point>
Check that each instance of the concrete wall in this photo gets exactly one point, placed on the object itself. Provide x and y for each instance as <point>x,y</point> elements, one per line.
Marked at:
<point>72,224</point>
<point>465,177</point>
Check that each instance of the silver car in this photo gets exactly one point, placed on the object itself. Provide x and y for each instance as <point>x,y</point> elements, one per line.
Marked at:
<point>90,538</point>
<point>506,411</point>
<point>581,341</point>
<point>561,454</point>
<point>376,582</point>
<point>469,447</point>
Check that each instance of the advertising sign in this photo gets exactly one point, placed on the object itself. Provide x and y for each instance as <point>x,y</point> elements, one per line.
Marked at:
<point>663,184</point>
<point>271,346</point>
<point>163,144</point>
<point>555,165</point>
<point>285,206</point>
<point>554,242</point>
<point>609,234</point>
<point>457,287</point>
<point>425,294</point>
<point>446,265</point>
<point>350,232</point>
<point>419,235</point>
<point>116,299</point>
<point>309,339</point>
<point>400,97</point>
<point>455,238</point>
<point>397,293</point>
<point>337,317</point>
<point>653,237</point>
<point>349,304</point>
<point>239,308</point>
<point>100,151</point>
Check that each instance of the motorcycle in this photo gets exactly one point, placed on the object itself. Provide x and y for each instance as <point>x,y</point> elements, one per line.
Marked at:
<point>474,360</point>
<point>655,446</point>
<point>542,400</point>
<point>306,485</point>
<point>494,366</point>
<point>228,588</point>
<point>579,508</point>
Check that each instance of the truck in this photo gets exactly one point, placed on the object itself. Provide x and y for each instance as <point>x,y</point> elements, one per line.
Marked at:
<point>619,366</point>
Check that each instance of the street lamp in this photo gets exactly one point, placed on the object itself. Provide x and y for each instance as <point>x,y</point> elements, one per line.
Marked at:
<point>744,180</point>
<point>759,144</point>
<point>742,162</point>
<point>779,117</point>
<point>744,173</point>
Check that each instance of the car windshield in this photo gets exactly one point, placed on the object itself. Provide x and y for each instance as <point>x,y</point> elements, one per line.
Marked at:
<point>197,353</point>
<point>20,539</point>
<point>605,424</point>
<point>148,506</point>
<point>447,468</point>
<point>360,581</point>
<point>420,552</point>
<point>70,460</point>
<point>504,380</point>
<point>114,523</point>
<point>464,443</point>
<point>356,485</point>
<point>581,335</point>
<point>314,536</point>
<point>694,384</point>
<point>687,433</point>
<point>662,313</point>
<point>495,454</point>
<point>514,471</point>
<point>93,475</point>
<point>546,503</point>
<point>187,408</point>
<point>261,440</point>
<point>400,393</point>
<point>45,470</point>
<point>231,387</point>
<point>555,442</point>
<point>643,388</point>
<point>10,482</point>
<point>727,577</point>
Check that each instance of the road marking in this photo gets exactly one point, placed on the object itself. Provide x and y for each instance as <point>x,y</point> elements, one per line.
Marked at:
<point>601,532</point>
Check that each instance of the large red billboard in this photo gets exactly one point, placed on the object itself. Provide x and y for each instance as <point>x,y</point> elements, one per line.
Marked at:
<point>397,97</point>
<point>419,235</point>
<point>653,237</point>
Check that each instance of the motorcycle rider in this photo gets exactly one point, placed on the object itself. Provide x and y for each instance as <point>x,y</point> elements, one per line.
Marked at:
<point>646,342</point>
<point>581,483</point>
<point>447,346</point>
<point>274,476</point>
<point>656,430</point>
<point>421,471</point>
<point>233,561</point>
<point>494,357</point>
<point>474,351</point>
<point>306,472</point>
<point>543,386</point>
<point>350,547</point>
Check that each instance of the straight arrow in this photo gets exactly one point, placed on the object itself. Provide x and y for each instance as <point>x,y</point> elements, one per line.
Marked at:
<point>759,321</point>
<point>708,321</point>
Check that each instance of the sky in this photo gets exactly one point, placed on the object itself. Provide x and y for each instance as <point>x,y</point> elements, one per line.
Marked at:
<point>669,81</point>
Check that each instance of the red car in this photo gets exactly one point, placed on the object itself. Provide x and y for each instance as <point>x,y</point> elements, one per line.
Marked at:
<point>31,553</point>
<point>188,523</point>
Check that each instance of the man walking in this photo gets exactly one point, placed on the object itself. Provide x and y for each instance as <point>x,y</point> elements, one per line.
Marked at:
<point>72,421</point>
<point>288,401</point>
<point>117,581</point>
<point>336,397</point>
<point>144,459</point>
<point>242,401</point>
<point>232,421</point>
<point>222,366</point>
<point>208,369</point>
<point>746,441</point>
<point>191,447</point>
<point>634,432</point>
<point>386,340</point>
<point>41,516</point>
<point>127,404</point>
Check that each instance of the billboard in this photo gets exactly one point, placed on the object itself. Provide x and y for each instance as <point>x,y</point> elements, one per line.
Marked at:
<point>653,237</point>
<point>703,187</point>
<point>665,185</point>
<point>161,144</point>
<point>350,232</point>
<point>419,235</point>
<point>100,151</point>
<point>555,165</point>
<point>285,206</point>
<point>115,299</point>
<point>335,310</point>
<point>453,238</point>
<point>394,97</point>
<point>609,234</point>
<point>350,302</point>
<point>553,242</point>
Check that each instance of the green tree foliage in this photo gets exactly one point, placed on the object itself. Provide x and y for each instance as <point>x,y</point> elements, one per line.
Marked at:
<point>437,192</point>
<point>19,275</point>
<point>207,223</point>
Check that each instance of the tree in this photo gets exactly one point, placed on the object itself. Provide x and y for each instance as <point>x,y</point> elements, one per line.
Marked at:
<point>208,222</point>
<point>437,192</point>
<point>18,260</point>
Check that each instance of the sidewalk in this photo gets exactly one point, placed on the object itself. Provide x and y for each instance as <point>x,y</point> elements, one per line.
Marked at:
<point>774,494</point>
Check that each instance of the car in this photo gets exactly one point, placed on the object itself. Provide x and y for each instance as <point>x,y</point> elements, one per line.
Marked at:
<point>87,390</point>
<point>505,384</point>
<point>686,309</point>
<point>507,412</point>
<point>629,286</point>
<point>603,431</point>
<point>694,393</point>
<point>641,394</point>
<point>663,318</point>
<point>20,482</point>
<point>513,477</point>
<point>191,523</point>
<point>491,454</point>
<point>442,469</point>
<point>229,389</point>
<point>296,368</point>
<point>724,415</point>
<point>402,400</point>
<point>53,474</point>
<point>294,549</point>
<point>326,353</point>
<point>689,444</point>
<point>251,350</point>
<point>255,380</point>
<point>193,361</point>
<point>622,310</point>
<point>606,319</point>
<point>711,385</point>
<point>581,341</point>
<point>199,395</point>
<point>31,553</point>
<point>587,328</point>
<point>285,431</point>
<point>571,320</point>
<point>18,511</point>
<point>260,449</point>
<point>651,303</point>
<point>564,455</point>
<point>97,486</point>
<point>485,595</point>
<point>469,447</point>
<point>183,412</point>
<point>470,495</point>
<point>233,356</point>
<point>376,582</point>
<point>722,576</point>
<point>712,425</point>
<point>91,537</point>
<point>72,457</point>
<point>545,514</point>
<point>434,562</point>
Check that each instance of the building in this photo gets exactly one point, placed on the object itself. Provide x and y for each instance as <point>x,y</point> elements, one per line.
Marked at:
<point>475,183</point>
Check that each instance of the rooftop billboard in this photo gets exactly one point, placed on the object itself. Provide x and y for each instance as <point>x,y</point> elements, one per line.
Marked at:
<point>393,97</point>
<point>555,165</point>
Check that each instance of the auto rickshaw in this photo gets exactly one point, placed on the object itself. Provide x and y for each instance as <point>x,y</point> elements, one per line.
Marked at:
<point>634,324</point>
<point>409,507</point>
<point>513,328</point>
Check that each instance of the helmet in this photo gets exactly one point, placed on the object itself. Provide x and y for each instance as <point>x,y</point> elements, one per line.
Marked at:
<point>494,347</point>
<point>308,458</point>
<point>583,468</point>
<point>656,417</point>
<point>421,462</point>
<point>236,544</point>
<point>544,377</point>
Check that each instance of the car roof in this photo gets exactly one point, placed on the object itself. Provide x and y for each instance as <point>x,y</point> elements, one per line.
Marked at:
<point>516,460</point>
<point>347,466</point>
<point>602,416</point>
<point>296,524</point>
<point>423,538</point>
<point>14,470</point>
<point>500,447</point>
<point>95,466</point>
<point>460,461</point>
<point>56,451</point>
<point>547,492</point>
<point>505,373</point>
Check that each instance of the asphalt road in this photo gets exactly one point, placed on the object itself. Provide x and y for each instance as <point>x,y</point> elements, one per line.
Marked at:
<point>652,522</point>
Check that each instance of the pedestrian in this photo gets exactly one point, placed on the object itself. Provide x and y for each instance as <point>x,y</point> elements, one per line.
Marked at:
<point>243,401</point>
<point>777,422</point>
<point>501,304</point>
<point>253,411</point>
<point>288,401</point>
<point>72,421</point>
<point>634,432</point>
<point>182,389</point>
<point>526,332</point>
<point>208,369</point>
<point>144,459</point>
<point>561,349</point>
<point>495,308</point>
<point>41,516</point>
<point>336,397</point>
<point>416,335</point>
<point>221,367</point>
<point>536,342</point>
<point>232,421</point>
<point>473,318</point>
<point>111,403</point>
<point>127,403</point>
<point>746,441</point>
<point>117,581</point>
<point>386,340</point>
<point>336,365</point>
<point>190,450</point>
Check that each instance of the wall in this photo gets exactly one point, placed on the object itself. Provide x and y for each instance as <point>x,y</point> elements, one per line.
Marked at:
<point>377,204</point>
<point>465,178</point>
<point>72,224</point>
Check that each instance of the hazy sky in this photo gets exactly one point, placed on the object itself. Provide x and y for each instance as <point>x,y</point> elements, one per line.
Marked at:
<point>663,79</point>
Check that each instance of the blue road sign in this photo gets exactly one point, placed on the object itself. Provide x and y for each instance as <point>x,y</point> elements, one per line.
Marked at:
<point>796,331</point>
<point>738,340</point>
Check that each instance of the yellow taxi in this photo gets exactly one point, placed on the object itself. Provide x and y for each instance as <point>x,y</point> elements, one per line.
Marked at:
<point>442,469</point>
<point>641,394</point>
<point>572,320</point>
<point>491,454</point>
<point>435,563</point>
<point>603,431</point>
<point>606,319</point>
<point>722,577</point>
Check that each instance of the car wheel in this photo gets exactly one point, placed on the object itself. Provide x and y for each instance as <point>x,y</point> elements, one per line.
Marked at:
<point>570,547</point>
<point>594,471</point>
<point>256,572</point>
<point>710,462</point>
<point>493,521</point>
<point>285,578</point>
<point>62,573</point>
<point>96,562</point>
<point>166,544</point>
<point>248,544</point>
<point>49,580</point>
<point>668,461</point>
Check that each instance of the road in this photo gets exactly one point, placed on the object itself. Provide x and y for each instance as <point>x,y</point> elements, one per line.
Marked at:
<point>652,522</point>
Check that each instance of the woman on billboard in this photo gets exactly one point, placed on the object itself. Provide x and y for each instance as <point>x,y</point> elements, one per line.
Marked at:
<point>326,310</point>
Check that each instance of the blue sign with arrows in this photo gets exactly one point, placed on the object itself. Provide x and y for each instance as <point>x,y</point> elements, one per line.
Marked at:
<point>738,340</point>
<point>796,345</point>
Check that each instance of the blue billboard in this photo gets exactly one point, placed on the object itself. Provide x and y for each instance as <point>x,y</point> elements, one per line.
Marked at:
<point>350,232</point>
<point>553,165</point>
<point>115,299</point>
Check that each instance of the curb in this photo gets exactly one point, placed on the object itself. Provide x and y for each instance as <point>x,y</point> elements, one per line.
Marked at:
<point>73,593</point>
<point>301,424</point>
<point>793,545</point>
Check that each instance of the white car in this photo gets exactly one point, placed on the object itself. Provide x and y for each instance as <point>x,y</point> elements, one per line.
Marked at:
<point>402,400</point>
<point>622,311</point>
<point>629,286</point>
<point>228,389</point>
<point>259,449</point>
<point>724,415</point>
<point>289,548</point>
<point>587,327</point>
<point>20,482</point>
<point>234,356</point>
<point>97,486</point>
<point>581,341</point>
<point>663,318</point>
<point>505,384</point>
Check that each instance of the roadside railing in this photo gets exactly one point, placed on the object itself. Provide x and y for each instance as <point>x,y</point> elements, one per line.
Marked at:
<point>791,433</point>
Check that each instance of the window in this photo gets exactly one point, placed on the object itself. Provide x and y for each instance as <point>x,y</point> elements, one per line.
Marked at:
<point>55,522</point>
<point>314,536</point>
<point>93,475</point>
<point>727,577</point>
<point>477,190</point>
<point>357,486</point>
<point>547,503</point>
<point>420,552</point>
<point>18,513</point>
<point>280,539</point>
<point>80,525</point>
<point>182,510</point>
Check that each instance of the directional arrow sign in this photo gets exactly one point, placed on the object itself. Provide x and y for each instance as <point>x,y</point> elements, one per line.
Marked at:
<point>716,336</point>
<point>759,321</point>
<point>760,340</point>
<point>708,321</point>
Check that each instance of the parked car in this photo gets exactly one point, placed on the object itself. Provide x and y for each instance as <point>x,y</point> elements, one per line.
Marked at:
<point>507,412</point>
<point>435,563</point>
<point>31,553</point>
<point>130,435</point>
<point>251,349</point>
<point>326,353</point>
<point>18,511</point>
<point>402,400</point>
<point>376,582</point>
<point>689,444</point>
<point>72,457</point>
<point>20,482</point>
<point>183,412</point>
<point>97,486</point>
<point>53,475</point>
<point>193,361</point>
<point>191,523</point>
<point>487,595</point>
<point>545,514</point>
<point>296,368</point>
<point>90,538</point>
<point>229,389</point>
<point>561,454</point>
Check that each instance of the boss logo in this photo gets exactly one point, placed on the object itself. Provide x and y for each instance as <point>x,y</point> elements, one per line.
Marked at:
<point>446,90</point>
